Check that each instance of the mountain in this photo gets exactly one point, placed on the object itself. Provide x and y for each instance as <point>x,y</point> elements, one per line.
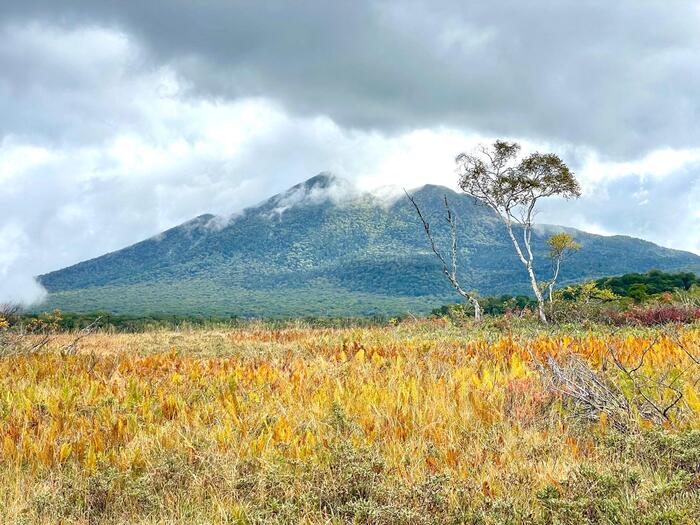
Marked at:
<point>323,248</point>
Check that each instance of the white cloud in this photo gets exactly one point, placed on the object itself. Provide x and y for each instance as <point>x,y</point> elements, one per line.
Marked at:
<point>102,148</point>
<point>658,163</point>
<point>15,284</point>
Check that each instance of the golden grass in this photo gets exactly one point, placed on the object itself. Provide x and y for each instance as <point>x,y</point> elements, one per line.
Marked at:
<point>379,425</point>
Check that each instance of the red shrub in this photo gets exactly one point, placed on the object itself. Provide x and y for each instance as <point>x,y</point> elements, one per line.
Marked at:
<point>655,315</point>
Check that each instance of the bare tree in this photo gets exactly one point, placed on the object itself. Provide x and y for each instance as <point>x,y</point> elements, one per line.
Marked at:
<point>450,270</point>
<point>9,310</point>
<point>512,188</point>
<point>37,334</point>
<point>560,246</point>
<point>627,390</point>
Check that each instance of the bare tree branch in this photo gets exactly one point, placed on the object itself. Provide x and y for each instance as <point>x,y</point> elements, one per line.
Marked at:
<point>450,270</point>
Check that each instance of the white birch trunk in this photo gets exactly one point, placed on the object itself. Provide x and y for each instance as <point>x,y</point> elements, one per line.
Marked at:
<point>530,271</point>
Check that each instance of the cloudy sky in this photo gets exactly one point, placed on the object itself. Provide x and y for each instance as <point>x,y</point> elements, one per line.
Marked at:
<point>120,118</point>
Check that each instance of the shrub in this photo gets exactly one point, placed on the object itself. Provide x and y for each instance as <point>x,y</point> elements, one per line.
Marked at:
<point>656,315</point>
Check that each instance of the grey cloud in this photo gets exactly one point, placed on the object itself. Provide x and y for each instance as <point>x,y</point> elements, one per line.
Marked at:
<point>82,202</point>
<point>660,209</point>
<point>619,77</point>
<point>73,87</point>
<point>338,83</point>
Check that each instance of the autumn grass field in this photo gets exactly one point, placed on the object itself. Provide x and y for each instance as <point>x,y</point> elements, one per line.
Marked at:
<point>423,422</point>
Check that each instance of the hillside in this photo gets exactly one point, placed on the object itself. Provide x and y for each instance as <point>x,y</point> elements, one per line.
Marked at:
<point>322,248</point>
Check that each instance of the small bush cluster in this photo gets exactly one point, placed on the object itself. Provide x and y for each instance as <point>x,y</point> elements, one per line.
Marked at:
<point>653,315</point>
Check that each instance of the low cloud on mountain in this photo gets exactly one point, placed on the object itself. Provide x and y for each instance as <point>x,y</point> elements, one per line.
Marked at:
<point>121,119</point>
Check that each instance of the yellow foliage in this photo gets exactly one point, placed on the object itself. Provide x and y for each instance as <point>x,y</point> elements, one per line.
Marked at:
<point>418,400</point>
<point>65,452</point>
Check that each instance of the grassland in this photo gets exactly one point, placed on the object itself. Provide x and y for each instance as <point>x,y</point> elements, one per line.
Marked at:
<point>422,422</point>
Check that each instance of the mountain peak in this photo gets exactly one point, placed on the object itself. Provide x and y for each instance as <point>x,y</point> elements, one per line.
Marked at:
<point>319,188</point>
<point>323,180</point>
<point>317,184</point>
<point>435,188</point>
<point>432,192</point>
<point>325,248</point>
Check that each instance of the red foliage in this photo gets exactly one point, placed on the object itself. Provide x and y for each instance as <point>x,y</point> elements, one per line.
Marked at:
<point>656,315</point>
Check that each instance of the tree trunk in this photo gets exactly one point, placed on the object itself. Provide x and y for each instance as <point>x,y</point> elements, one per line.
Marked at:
<point>470,299</point>
<point>477,309</point>
<point>528,265</point>
<point>554,281</point>
<point>538,294</point>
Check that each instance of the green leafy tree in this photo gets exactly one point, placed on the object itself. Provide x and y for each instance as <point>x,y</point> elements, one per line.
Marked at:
<point>561,245</point>
<point>638,292</point>
<point>512,187</point>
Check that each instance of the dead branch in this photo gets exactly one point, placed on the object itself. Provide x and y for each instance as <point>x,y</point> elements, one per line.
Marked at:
<point>449,270</point>
<point>72,347</point>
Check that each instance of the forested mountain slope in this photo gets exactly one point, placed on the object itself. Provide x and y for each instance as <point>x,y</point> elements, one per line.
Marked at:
<point>322,248</point>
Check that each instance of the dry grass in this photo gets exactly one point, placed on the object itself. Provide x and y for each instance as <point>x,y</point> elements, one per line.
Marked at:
<point>409,424</point>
